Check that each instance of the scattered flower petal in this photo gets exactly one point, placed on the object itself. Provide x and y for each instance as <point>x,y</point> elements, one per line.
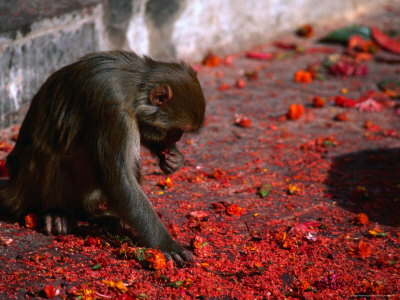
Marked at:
<point>211,60</point>
<point>361,219</point>
<point>295,111</point>
<point>342,117</point>
<point>156,259</point>
<point>234,210</point>
<point>292,189</point>
<point>303,76</point>
<point>166,183</point>
<point>385,41</point>
<point>242,121</point>
<point>31,221</point>
<point>259,55</point>
<point>318,101</point>
<point>305,31</point>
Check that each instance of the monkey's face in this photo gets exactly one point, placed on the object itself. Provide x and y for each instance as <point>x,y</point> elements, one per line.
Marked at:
<point>175,104</point>
<point>186,108</point>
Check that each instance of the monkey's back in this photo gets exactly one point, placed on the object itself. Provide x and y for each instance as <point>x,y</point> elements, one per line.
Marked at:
<point>74,101</point>
<point>77,97</point>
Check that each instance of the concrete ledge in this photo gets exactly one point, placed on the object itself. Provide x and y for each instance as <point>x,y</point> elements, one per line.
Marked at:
<point>29,55</point>
<point>38,36</point>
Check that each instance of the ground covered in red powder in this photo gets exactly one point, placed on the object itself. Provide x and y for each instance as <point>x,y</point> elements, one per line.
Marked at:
<point>291,190</point>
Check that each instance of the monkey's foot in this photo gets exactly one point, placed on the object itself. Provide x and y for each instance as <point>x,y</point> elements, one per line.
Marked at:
<point>177,253</point>
<point>58,224</point>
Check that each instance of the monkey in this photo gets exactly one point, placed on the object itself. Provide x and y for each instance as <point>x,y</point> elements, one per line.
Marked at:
<point>78,147</point>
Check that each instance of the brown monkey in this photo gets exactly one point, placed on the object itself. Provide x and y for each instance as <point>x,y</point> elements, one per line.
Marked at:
<point>79,144</point>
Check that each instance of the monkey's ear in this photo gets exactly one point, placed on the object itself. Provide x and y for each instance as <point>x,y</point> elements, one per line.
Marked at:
<point>160,95</point>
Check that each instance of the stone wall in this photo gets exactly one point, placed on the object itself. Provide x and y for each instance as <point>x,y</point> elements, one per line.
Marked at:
<point>39,36</point>
<point>30,52</point>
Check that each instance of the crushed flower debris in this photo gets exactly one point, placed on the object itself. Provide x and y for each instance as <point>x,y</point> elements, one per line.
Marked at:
<point>270,207</point>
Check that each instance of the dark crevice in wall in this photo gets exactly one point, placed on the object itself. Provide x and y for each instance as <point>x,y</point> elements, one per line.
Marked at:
<point>160,18</point>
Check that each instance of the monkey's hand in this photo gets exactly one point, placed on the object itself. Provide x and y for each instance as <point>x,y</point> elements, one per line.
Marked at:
<point>174,251</point>
<point>170,160</point>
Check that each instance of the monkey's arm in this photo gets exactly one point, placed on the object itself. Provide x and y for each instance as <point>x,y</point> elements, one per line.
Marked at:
<point>119,148</point>
<point>138,212</point>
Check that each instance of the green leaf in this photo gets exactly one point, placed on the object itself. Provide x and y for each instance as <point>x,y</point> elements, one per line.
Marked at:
<point>381,234</point>
<point>310,288</point>
<point>203,244</point>
<point>330,143</point>
<point>392,262</point>
<point>390,85</point>
<point>176,284</point>
<point>141,254</point>
<point>265,189</point>
<point>343,34</point>
<point>96,267</point>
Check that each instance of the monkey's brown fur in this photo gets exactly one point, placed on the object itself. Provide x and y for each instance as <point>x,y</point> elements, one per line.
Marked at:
<point>79,145</point>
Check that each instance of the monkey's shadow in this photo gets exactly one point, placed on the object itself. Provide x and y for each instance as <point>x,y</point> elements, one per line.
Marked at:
<point>368,182</point>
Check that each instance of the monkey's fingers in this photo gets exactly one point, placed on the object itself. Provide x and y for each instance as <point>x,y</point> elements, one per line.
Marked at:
<point>60,225</point>
<point>187,255</point>
<point>48,224</point>
<point>167,256</point>
<point>168,169</point>
<point>171,164</point>
<point>57,224</point>
<point>175,257</point>
<point>179,257</point>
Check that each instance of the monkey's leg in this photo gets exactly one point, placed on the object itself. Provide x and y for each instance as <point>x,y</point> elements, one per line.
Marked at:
<point>75,192</point>
<point>39,184</point>
<point>59,206</point>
